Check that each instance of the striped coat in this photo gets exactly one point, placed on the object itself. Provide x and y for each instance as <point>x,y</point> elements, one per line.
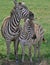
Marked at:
<point>11,26</point>
<point>31,34</point>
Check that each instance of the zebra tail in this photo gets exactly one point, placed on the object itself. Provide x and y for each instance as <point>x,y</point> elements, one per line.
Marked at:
<point>44,40</point>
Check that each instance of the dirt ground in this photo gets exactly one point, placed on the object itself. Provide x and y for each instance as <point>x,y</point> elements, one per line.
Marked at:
<point>10,62</point>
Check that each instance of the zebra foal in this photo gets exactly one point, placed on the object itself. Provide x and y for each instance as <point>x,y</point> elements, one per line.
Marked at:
<point>31,34</point>
<point>11,26</point>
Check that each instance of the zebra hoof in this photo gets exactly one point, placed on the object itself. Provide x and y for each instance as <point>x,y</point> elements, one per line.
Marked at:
<point>17,61</point>
<point>31,61</point>
<point>22,61</point>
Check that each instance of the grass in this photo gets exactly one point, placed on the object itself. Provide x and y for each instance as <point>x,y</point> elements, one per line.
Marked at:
<point>41,9</point>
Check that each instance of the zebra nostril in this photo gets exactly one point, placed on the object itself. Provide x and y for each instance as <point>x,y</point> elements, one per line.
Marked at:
<point>34,36</point>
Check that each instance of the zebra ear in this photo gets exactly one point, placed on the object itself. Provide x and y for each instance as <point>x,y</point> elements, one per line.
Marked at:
<point>15,2</point>
<point>23,3</point>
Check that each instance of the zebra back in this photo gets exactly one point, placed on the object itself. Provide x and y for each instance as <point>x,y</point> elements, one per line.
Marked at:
<point>39,31</point>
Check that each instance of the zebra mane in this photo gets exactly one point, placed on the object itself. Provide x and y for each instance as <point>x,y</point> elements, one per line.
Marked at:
<point>31,24</point>
<point>12,12</point>
<point>31,16</point>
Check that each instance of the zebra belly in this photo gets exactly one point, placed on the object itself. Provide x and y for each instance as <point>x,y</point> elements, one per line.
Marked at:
<point>26,42</point>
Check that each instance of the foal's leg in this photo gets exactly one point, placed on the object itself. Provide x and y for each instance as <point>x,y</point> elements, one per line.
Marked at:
<point>23,52</point>
<point>8,48</point>
<point>16,43</point>
<point>39,51</point>
<point>35,51</point>
<point>30,55</point>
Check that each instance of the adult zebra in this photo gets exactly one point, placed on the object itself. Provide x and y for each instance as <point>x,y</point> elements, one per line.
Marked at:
<point>11,29</point>
<point>32,34</point>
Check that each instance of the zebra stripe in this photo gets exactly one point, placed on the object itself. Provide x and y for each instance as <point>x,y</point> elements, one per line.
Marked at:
<point>11,26</point>
<point>24,12</point>
<point>28,38</point>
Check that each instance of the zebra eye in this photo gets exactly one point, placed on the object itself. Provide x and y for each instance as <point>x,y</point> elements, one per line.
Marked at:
<point>21,8</point>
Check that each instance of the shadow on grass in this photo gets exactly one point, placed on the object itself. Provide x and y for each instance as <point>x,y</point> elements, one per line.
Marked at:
<point>10,62</point>
<point>43,59</point>
<point>12,57</point>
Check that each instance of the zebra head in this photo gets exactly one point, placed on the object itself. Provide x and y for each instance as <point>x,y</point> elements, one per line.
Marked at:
<point>31,15</point>
<point>21,9</point>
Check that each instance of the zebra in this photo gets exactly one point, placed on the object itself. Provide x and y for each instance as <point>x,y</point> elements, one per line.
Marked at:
<point>31,34</point>
<point>11,26</point>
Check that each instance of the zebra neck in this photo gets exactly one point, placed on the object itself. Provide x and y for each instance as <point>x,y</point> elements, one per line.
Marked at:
<point>15,19</point>
<point>14,25</point>
<point>31,25</point>
<point>12,31</point>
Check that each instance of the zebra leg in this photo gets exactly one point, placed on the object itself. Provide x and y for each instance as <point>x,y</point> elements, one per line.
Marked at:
<point>16,43</point>
<point>8,48</point>
<point>23,52</point>
<point>30,55</point>
<point>35,51</point>
<point>39,50</point>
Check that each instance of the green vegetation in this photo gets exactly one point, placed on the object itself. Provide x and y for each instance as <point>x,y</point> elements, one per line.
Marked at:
<point>41,9</point>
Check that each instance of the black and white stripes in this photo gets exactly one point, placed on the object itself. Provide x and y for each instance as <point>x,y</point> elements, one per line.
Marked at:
<point>11,26</point>
<point>32,34</point>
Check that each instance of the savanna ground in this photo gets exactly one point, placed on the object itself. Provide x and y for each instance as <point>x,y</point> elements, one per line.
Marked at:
<point>41,9</point>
